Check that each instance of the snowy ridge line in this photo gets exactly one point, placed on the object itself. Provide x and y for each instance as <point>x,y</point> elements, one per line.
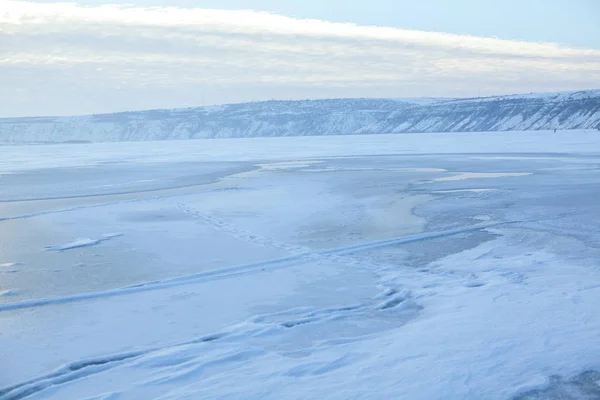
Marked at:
<point>260,266</point>
<point>258,325</point>
<point>87,367</point>
<point>68,373</point>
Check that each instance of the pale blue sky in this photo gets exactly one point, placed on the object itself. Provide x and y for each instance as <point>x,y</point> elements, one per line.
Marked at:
<point>569,22</point>
<point>61,58</point>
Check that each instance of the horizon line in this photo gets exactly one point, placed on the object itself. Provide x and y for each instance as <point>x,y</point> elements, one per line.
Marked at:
<point>398,99</point>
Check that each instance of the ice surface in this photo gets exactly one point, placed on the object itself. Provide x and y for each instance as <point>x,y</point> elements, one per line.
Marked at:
<point>347,267</point>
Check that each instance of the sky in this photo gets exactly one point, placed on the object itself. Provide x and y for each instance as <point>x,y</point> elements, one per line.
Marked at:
<point>95,56</point>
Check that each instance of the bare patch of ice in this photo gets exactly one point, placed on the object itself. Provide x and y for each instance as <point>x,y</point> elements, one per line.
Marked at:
<point>124,183</point>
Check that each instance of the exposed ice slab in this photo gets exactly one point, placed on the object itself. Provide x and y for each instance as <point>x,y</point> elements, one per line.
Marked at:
<point>83,242</point>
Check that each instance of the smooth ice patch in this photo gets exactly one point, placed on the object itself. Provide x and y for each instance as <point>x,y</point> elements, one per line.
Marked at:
<point>478,175</point>
<point>419,170</point>
<point>482,190</point>
<point>358,169</point>
<point>287,165</point>
<point>124,183</point>
<point>531,158</point>
<point>83,242</point>
<point>274,167</point>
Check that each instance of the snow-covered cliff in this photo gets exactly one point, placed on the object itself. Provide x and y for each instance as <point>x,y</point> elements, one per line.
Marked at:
<point>572,110</point>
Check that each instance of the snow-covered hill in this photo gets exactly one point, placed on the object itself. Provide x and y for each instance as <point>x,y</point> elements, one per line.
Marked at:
<point>569,110</point>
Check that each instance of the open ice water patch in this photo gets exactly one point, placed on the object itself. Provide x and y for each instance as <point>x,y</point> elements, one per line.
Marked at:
<point>83,242</point>
<point>583,386</point>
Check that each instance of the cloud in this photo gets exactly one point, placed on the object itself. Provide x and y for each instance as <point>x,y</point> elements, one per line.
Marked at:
<point>54,56</point>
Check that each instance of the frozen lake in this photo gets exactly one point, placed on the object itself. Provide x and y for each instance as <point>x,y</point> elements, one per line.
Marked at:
<point>434,266</point>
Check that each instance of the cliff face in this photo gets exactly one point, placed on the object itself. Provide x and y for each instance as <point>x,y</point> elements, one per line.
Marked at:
<point>573,110</point>
<point>579,110</point>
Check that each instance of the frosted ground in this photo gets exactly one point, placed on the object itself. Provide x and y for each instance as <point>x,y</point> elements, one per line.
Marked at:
<point>437,266</point>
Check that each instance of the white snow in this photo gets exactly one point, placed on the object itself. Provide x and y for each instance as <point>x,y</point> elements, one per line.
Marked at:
<point>321,268</point>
